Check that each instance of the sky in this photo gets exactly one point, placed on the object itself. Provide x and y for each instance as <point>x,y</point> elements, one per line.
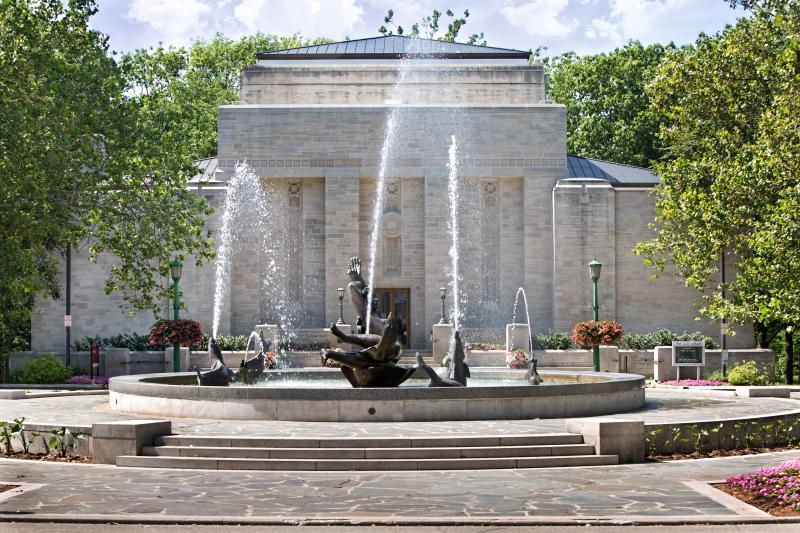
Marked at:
<point>585,26</point>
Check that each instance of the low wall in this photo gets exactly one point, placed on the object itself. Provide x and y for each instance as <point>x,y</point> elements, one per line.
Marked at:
<point>113,361</point>
<point>545,358</point>
<point>664,371</point>
<point>38,437</point>
<point>738,433</point>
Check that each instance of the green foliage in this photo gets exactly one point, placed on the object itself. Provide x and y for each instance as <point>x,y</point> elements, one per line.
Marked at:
<point>552,340</point>
<point>62,441</point>
<point>18,431</point>
<point>662,337</point>
<point>609,114</point>
<point>5,438</point>
<point>716,375</point>
<point>428,28</point>
<point>731,182</point>
<point>132,341</point>
<point>44,369</point>
<point>231,343</point>
<point>480,346</point>
<point>100,165</point>
<point>746,373</point>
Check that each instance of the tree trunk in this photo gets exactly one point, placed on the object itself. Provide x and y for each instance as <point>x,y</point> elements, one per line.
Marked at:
<point>789,357</point>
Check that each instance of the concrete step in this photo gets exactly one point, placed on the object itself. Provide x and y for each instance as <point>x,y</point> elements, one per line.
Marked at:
<point>216,463</point>
<point>368,453</point>
<point>540,439</point>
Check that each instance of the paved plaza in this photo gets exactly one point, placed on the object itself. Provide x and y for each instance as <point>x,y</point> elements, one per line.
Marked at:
<point>670,492</point>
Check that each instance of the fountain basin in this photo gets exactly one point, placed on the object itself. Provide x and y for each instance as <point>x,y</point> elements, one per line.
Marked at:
<point>569,394</point>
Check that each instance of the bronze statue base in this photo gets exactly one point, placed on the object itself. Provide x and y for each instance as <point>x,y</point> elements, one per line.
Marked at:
<point>378,376</point>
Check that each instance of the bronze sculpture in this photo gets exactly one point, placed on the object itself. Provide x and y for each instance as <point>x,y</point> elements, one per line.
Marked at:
<point>219,375</point>
<point>457,370</point>
<point>252,369</point>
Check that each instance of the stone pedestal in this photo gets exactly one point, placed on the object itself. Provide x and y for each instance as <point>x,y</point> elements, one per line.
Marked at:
<point>184,359</point>
<point>112,439</point>
<point>442,333</point>
<point>610,359</point>
<point>270,332</point>
<point>518,336</point>
<point>662,364</point>
<point>118,362</point>
<point>623,438</point>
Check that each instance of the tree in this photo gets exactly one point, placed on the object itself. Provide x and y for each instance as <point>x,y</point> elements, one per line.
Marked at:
<point>83,162</point>
<point>731,182</point>
<point>191,83</point>
<point>609,115</point>
<point>430,27</point>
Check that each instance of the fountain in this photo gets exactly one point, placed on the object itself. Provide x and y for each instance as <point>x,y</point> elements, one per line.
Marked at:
<point>512,337</point>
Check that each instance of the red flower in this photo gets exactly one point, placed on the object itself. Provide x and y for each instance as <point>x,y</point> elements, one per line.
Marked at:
<point>590,333</point>
<point>169,332</point>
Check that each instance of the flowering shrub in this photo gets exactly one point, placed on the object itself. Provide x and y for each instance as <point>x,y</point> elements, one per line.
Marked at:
<point>517,359</point>
<point>780,484</point>
<point>83,379</point>
<point>169,332</point>
<point>591,333</point>
<point>270,361</point>
<point>694,382</point>
<point>747,373</point>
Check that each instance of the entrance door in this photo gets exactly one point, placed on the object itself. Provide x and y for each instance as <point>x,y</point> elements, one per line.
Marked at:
<point>395,301</point>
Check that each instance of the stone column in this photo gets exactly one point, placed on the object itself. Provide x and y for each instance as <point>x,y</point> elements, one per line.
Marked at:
<point>341,236</point>
<point>441,341</point>
<point>518,336</point>
<point>437,245</point>
<point>538,239</point>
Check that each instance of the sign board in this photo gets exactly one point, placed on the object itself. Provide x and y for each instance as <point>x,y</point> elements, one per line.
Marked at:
<point>688,353</point>
<point>67,321</point>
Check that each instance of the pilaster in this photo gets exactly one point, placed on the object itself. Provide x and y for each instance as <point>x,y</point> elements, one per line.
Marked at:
<point>341,206</point>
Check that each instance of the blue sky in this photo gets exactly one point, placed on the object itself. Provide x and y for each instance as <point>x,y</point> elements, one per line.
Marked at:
<point>586,26</point>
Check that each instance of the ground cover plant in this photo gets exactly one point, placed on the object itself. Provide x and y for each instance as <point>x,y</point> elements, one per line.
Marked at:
<point>775,490</point>
<point>16,443</point>
<point>694,382</point>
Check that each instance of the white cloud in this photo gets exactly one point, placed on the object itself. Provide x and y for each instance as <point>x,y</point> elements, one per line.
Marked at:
<point>540,18</point>
<point>312,18</point>
<point>652,20</point>
<point>175,20</point>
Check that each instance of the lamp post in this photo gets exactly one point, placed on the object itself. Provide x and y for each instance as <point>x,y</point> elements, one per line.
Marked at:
<point>443,296</point>
<point>594,270</point>
<point>340,292</point>
<point>175,268</point>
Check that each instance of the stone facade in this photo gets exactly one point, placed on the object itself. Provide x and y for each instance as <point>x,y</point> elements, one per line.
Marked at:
<point>314,132</point>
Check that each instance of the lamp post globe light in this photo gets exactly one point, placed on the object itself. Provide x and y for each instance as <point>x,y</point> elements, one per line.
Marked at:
<point>175,270</point>
<point>443,296</point>
<point>594,270</point>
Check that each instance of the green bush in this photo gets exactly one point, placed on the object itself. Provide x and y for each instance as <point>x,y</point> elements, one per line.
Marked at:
<point>231,343</point>
<point>201,346</point>
<point>716,375</point>
<point>662,337</point>
<point>134,342</point>
<point>85,344</point>
<point>552,340</point>
<point>44,369</point>
<point>746,373</point>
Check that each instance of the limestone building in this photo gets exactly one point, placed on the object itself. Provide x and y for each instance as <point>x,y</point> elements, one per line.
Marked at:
<point>311,123</point>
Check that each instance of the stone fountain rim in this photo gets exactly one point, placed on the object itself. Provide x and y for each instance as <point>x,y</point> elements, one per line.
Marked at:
<point>587,383</point>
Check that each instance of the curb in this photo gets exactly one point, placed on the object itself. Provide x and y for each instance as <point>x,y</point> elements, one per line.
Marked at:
<point>634,520</point>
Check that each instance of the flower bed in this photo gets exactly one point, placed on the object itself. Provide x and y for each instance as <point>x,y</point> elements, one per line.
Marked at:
<point>775,490</point>
<point>600,333</point>
<point>83,379</point>
<point>517,359</point>
<point>694,383</point>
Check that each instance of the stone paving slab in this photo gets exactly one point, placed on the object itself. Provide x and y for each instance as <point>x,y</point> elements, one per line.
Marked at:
<point>662,406</point>
<point>655,490</point>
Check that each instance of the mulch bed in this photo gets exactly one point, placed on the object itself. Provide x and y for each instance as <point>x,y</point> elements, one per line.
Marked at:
<point>48,457</point>
<point>718,453</point>
<point>768,505</point>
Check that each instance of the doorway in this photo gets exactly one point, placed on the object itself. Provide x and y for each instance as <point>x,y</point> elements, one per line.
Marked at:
<point>396,301</point>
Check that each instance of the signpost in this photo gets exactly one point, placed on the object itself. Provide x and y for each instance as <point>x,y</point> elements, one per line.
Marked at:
<point>95,360</point>
<point>688,353</point>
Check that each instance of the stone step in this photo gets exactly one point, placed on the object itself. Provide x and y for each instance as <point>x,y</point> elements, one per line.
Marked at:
<point>539,439</point>
<point>368,453</point>
<point>216,463</point>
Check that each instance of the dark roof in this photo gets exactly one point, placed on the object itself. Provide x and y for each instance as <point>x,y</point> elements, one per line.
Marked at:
<point>615,173</point>
<point>208,169</point>
<point>394,47</point>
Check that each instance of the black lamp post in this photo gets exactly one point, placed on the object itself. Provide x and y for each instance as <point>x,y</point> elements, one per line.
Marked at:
<point>443,296</point>
<point>340,292</point>
<point>175,269</point>
<point>594,270</point>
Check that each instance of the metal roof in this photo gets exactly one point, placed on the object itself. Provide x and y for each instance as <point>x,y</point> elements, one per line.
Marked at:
<point>208,169</point>
<point>615,173</point>
<point>394,47</point>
